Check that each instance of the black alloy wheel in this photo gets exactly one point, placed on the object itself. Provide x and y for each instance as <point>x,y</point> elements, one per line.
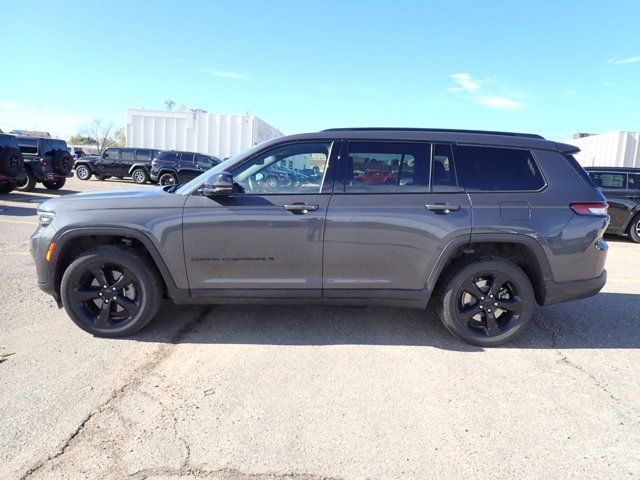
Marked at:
<point>111,291</point>
<point>167,179</point>
<point>487,302</point>
<point>634,229</point>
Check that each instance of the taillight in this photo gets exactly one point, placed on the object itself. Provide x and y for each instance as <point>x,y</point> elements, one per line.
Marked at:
<point>44,162</point>
<point>598,209</point>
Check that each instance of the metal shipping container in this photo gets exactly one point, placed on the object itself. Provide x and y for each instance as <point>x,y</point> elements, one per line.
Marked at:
<point>216,134</point>
<point>612,149</point>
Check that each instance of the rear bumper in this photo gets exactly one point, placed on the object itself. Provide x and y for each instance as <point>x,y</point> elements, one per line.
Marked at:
<point>559,292</point>
<point>154,175</point>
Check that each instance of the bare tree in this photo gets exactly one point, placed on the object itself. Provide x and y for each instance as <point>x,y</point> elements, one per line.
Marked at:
<point>102,134</point>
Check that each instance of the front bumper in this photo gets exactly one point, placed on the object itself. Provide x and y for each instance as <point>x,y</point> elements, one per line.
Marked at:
<point>559,292</point>
<point>40,242</point>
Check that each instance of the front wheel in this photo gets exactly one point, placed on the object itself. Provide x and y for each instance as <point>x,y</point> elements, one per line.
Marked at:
<point>83,172</point>
<point>111,291</point>
<point>56,184</point>
<point>487,302</point>
<point>28,184</point>
<point>634,229</point>
<point>167,179</point>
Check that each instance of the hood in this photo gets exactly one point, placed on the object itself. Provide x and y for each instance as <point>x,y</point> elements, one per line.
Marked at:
<point>154,197</point>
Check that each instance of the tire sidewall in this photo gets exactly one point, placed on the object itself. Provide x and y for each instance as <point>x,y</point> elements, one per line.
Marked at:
<point>83,168</point>
<point>29,183</point>
<point>449,299</point>
<point>144,278</point>
<point>139,176</point>
<point>167,175</point>
<point>633,232</point>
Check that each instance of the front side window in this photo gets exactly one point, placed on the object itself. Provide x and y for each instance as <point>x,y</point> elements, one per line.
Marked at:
<point>443,175</point>
<point>111,153</point>
<point>609,180</point>
<point>204,161</point>
<point>485,169</point>
<point>634,181</point>
<point>279,170</point>
<point>379,167</point>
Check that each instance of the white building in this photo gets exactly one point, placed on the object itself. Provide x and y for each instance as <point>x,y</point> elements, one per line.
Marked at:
<point>216,134</point>
<point>612,149</point>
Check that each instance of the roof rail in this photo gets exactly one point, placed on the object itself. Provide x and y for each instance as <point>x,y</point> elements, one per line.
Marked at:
<point>441,130</point>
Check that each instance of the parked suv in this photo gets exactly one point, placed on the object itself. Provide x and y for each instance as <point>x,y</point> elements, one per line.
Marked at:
<point>173,167</point>
<point>11,163</point>
<point>46,160</point>
<point>621,186</point>
<point>486,224</point>
<point>117,162</point>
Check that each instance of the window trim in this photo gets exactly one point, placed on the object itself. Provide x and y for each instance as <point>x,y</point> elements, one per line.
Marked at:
<point>533,154</point>
<point>330,158</point>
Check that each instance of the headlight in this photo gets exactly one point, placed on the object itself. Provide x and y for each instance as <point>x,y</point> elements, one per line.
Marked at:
<point>46,218</point>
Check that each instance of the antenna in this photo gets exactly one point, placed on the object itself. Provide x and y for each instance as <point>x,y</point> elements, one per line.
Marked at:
<point>169,103</point>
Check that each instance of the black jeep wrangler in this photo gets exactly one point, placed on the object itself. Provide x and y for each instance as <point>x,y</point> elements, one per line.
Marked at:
<point>117,162</point>
<point>46,160</point>
<point>11,163</point>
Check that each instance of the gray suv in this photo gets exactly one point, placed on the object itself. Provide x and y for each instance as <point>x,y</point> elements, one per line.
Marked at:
<point>485,224</point>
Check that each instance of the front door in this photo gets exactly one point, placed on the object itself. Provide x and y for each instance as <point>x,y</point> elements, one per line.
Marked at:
<point>265,239</point>
<point>386,235</point>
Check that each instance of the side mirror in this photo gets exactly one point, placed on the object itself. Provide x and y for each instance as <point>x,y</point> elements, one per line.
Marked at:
<point>218,184</point>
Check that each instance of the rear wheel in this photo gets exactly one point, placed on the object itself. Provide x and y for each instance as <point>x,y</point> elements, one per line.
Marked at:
<point>167,179</point>
<point>28,184</point>
<point>487,302</point>
<point>111,291</point>
<point>56,184</point>
<point>139,176</point>
<point>83,172</point>
<point>634,229</point>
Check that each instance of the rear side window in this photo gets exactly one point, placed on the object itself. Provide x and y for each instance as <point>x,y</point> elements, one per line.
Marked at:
<point>28,145</point>
<point>498,169</point>
<point>378,167</point>
<point>126,154</point>
<point>143,155</point>
<point>609,180</point>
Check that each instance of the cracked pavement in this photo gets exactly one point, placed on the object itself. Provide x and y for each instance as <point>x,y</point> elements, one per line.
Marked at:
<point>312,393</point>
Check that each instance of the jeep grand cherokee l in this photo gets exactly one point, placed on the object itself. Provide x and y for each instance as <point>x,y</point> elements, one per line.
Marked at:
<point>486,224</point>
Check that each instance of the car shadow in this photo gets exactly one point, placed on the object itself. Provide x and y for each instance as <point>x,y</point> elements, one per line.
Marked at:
<point>608,320</point>
<point>11,211</point>
<point>36,193</point>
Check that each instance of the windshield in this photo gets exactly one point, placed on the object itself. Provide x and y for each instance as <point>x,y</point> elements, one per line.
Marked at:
<point>197,182</point>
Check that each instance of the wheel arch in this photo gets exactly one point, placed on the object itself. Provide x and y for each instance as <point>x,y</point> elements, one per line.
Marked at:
<point>74,241</point>
<point>523,250</point>
<point>135,166</point>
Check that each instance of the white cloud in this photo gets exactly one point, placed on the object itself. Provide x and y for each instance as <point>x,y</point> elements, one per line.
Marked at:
<point>499,102</point>
<point>465,83</point>
<point>621,61</point>
<point>9,105</point>
<point>224,74</point>
<point>483,92</point>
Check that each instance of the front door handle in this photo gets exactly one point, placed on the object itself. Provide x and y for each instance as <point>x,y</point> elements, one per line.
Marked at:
<point>441,207</point>
<point>300,207</point>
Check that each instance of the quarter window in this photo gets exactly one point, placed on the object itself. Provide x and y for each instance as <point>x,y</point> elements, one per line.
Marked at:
<point>609,180</point>
<point>143,155</point>
<point>377,167</point>
<point>279,170</point>
<point>498,169</point>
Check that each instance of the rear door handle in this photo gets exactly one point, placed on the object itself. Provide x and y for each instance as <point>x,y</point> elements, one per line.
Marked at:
<point>441,207</point>
<point>300,207</point>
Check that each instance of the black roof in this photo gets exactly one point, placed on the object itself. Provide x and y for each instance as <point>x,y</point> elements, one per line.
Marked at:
<point>616,169</point>
<point>443,130</point>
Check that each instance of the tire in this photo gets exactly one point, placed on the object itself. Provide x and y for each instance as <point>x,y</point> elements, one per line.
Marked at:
<point>11,161</point>
<point>28,184</point>
<point>56,184</point>
<point>469,299</point>
<point>634,229</point>
<point>167,179</point>
<point>83,172</point>
<point>138,298</point>
<point>139,176</point>
<point>7,187</point>
<point>62,162</point>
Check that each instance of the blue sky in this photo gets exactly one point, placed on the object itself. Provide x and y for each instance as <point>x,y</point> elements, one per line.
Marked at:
<point>544,68</point>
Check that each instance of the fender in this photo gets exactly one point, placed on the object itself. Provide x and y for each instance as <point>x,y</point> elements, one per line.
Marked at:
<point>145,166</point>
<point>457,242</point>
<point>62,239</point>
<point>634,211</point>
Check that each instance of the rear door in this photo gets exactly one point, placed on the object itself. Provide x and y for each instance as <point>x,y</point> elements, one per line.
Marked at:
<point>384,237</point>
<point>187,169</point>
